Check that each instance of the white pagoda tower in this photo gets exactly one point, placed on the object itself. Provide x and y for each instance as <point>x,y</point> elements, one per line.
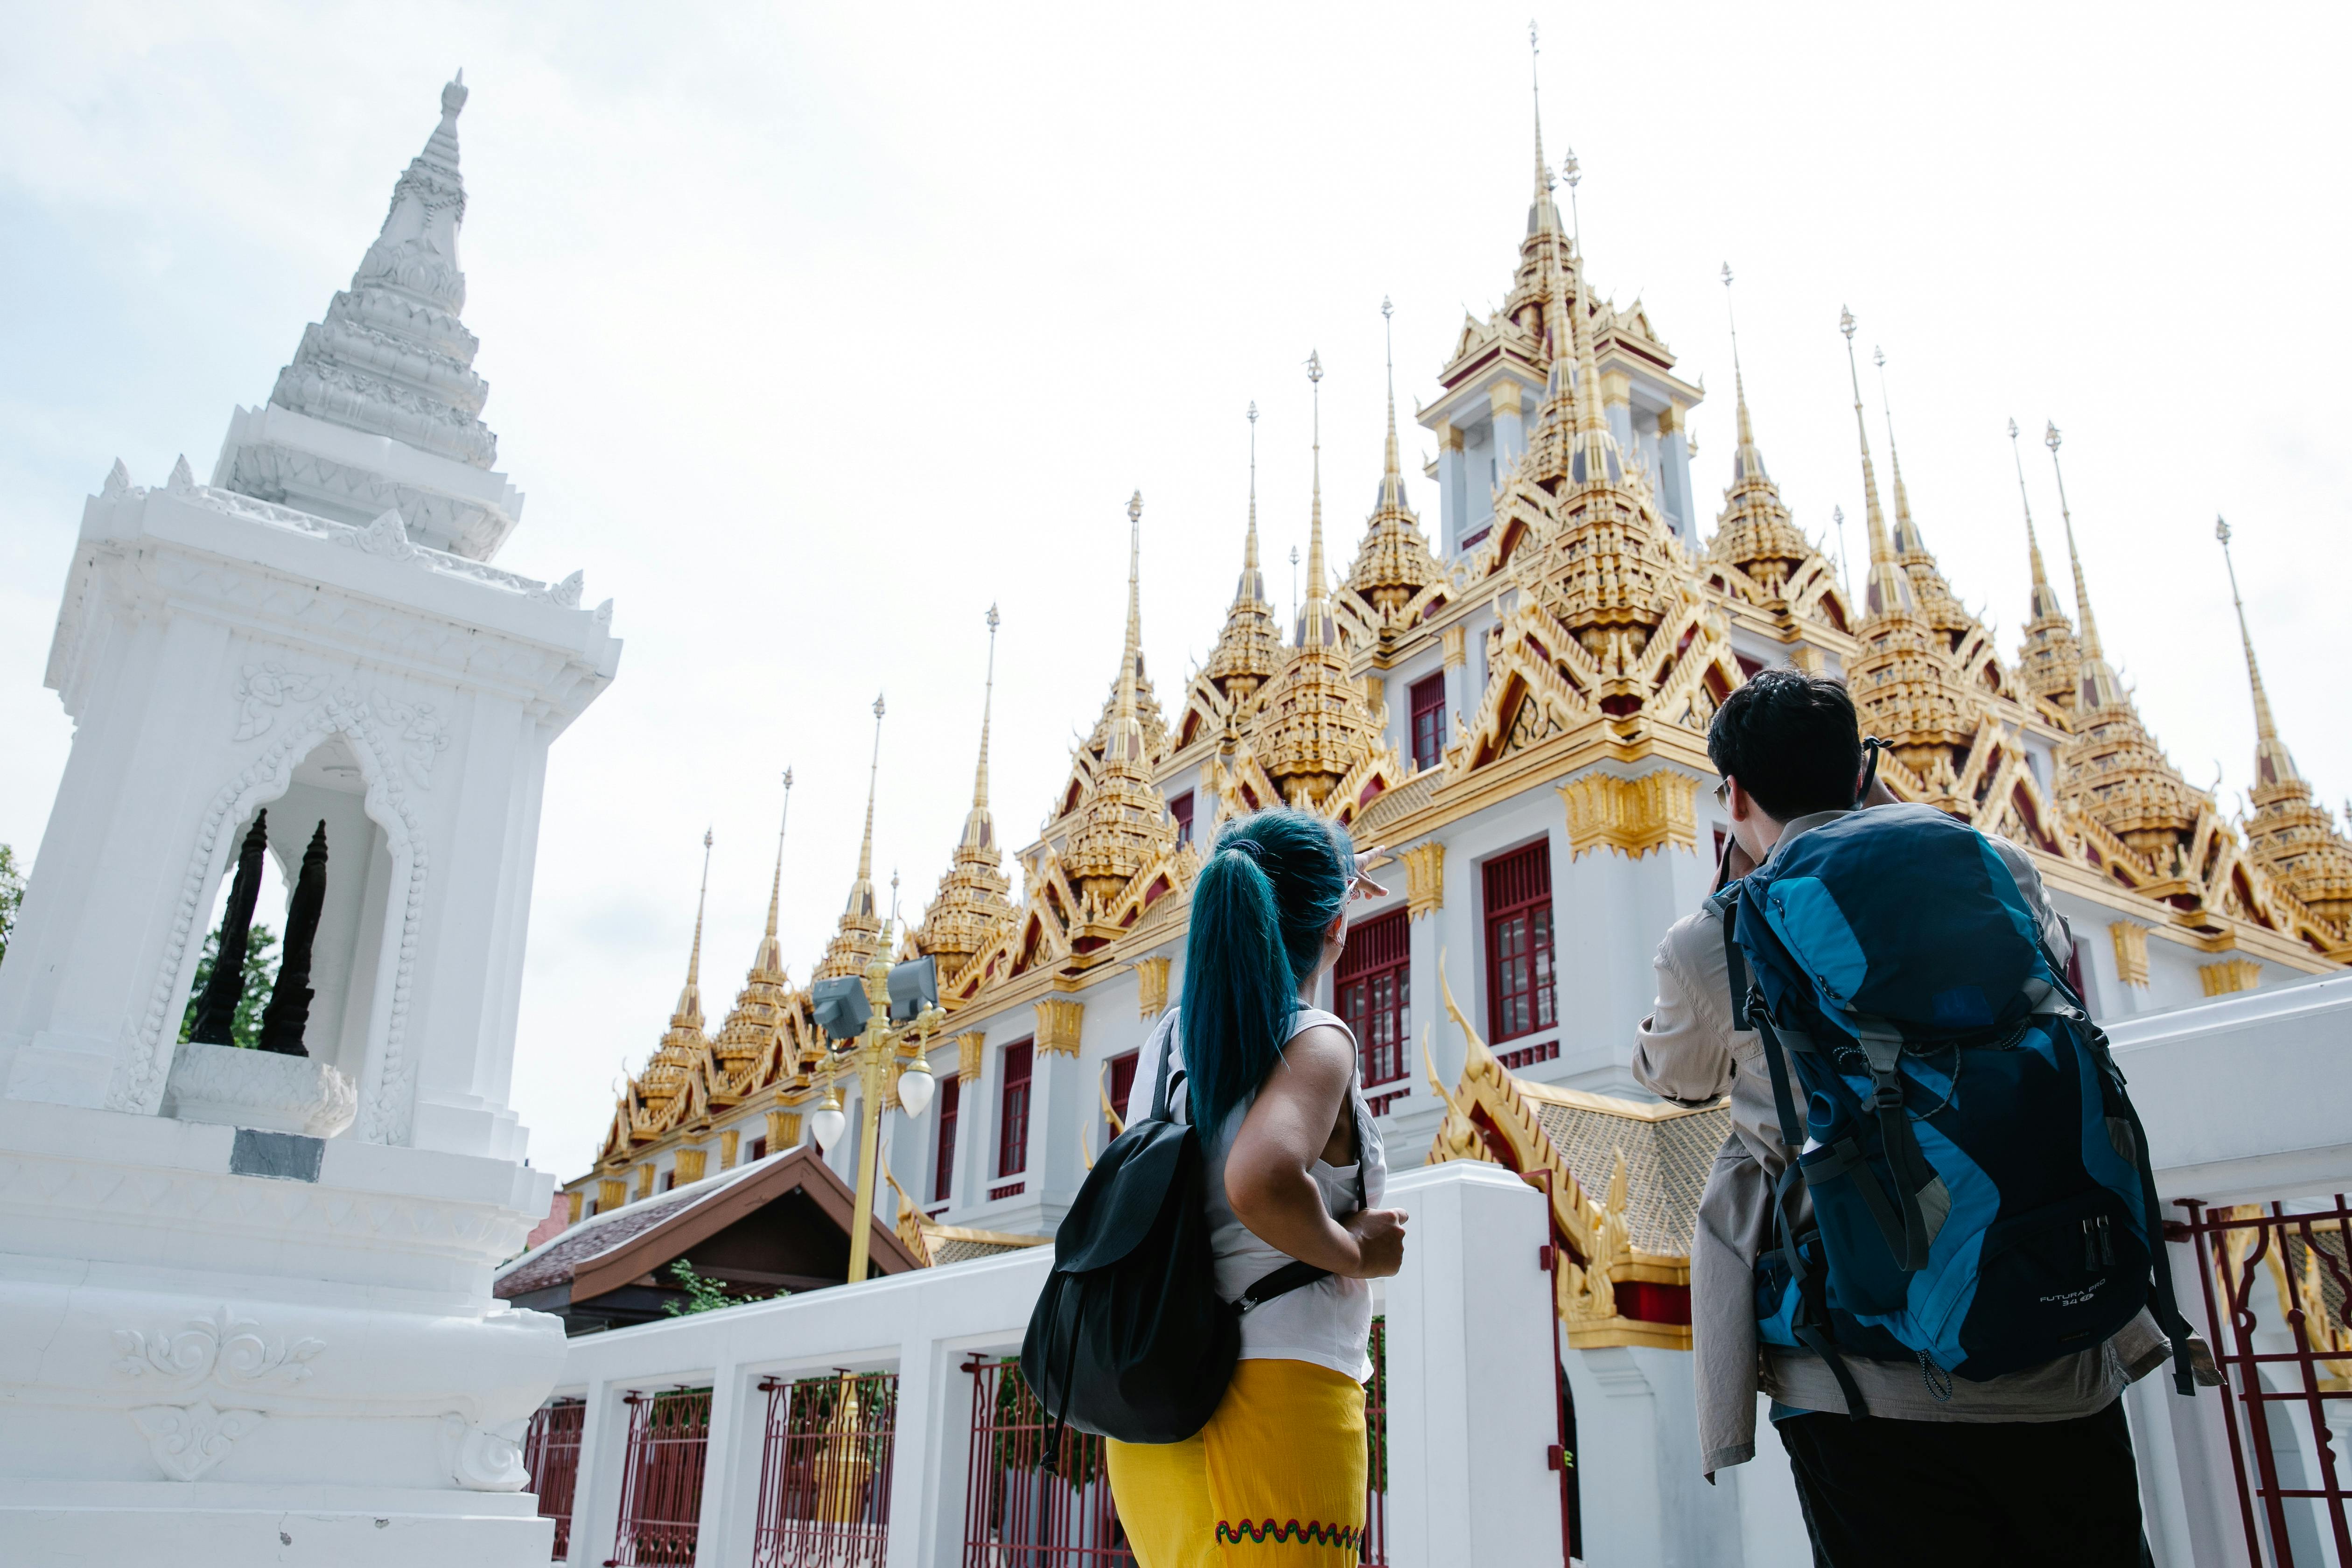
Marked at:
<point>244,1308</point>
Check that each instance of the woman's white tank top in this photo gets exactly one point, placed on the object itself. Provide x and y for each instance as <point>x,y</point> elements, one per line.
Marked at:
<point>1329,1322</point>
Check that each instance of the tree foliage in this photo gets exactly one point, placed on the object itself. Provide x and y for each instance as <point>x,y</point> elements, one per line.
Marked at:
<point>12,896</point>
<point>260,975</point>
<point>702,1294</point>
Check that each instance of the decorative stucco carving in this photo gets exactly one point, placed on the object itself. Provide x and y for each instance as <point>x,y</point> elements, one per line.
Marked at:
<point>186,1440</point>
<point>484,1459</point>
<point>233,1352</point>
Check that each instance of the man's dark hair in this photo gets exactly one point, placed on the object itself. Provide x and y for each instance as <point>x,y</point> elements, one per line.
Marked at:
<point>1791,741</point>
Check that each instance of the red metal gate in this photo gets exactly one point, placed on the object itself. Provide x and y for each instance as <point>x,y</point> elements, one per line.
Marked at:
<point>1020,1509</point>
<point>2288,1354</point>
<point>661,1479</point>
<point>551,1456</point>
<point>824,1472</point>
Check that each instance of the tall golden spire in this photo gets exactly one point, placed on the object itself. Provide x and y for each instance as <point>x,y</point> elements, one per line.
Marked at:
<point>2051,661</point>
<point>2289,835</point>
<point>1543,216</point>
<point>2099,687</point>
<point>1393,563</point>
<point>771,955</point>
<point>1933,595</point>
<point>1597,460</point>
<point>1754,531</point>
<point>1316,627</point>
<point>2273,765</point>
<point>1889,589</point>
<point>751,1026</point>
<point>970,899</point>
<point>1248,647</point>
<point>854,940</point>
<point>1125,747</point>
<point>687,1015</point>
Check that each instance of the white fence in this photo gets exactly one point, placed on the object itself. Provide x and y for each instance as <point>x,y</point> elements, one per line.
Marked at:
<point>2246,1098</point>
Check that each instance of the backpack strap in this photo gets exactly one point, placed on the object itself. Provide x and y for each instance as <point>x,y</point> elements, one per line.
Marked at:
<point>1291,1276</point>
<point>1163,1086</point>
<point>1884,1049</point>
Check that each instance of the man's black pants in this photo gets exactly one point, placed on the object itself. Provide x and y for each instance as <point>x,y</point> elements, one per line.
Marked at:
<point>1913,1494</point>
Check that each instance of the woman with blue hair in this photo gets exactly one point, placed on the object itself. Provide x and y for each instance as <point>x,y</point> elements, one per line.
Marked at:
<point>1294,1169</point>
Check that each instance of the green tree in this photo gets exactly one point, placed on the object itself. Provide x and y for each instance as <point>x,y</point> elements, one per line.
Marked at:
<point>702,1294</point>
<point>261,974</point>
<point>12,896</point>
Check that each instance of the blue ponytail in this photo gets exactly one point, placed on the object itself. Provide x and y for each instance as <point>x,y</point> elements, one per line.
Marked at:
<point>1269,892</point>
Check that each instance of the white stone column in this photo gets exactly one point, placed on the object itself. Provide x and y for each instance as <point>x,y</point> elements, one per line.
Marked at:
<point>1469,1388</point>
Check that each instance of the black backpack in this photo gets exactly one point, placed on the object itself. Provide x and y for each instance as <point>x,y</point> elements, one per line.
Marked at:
<point>1130,1338</point>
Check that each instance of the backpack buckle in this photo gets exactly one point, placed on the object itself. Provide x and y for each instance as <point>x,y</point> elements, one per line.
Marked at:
<point>1888,1096</point>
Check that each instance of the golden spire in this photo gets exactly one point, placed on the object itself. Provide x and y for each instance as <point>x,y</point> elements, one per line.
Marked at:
<point>689,1013</point>
<point>1933,595</point>
<point>1749,462</point>
<point>1124,748</point>
<point>977,829</point>
<point>2271,764</point>
<point>1247,650</point>
<point>2289,835</point>
<point>1909,541</point>
<point>1596,446</point>
<point>1889,588</point>
<point>771,954</point>
<point>2099,688</point>
<point>1393,563</point>
<point>2050,660</point>
<point>1315,628</point>
<point>971,901</point>
<point>1754,531</point>
<point>1543,216</point>
<point>857,938</point>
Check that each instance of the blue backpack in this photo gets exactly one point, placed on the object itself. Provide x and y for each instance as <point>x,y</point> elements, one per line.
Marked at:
<point>1982,1195</point>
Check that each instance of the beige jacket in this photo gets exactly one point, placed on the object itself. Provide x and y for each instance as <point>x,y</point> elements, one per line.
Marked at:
<point>1687,1051</point>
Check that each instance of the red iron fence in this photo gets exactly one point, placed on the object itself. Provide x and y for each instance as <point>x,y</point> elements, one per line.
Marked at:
<point>551,1456</point>
<point>1023,1509</point>
<point>661,1479</point>
<point>2287,1354</point>
<point>824,1472</point>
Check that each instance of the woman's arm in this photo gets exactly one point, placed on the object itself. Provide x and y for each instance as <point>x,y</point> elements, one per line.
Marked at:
<point>1267,1178</point>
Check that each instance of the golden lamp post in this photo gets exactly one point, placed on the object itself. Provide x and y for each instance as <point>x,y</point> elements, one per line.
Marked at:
<point>873,1053</point>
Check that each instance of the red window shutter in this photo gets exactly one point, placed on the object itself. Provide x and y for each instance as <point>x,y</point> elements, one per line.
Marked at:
<point>1520,982</point>
<point>1120,1080</point>
<point>1426,697</point>
<point>1181,809</point>
<point>1013,1112</point>
<point>1374,984</point>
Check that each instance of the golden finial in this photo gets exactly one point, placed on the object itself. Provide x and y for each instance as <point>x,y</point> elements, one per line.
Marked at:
<point>1739,385</point>
<point>1571,172</point>
<point>1249,555</point>
<point>1392,476</point>
<point>2265,727</point>
<point>776,886</point>
<point>1134,580</point>
<point>1837,516</point>
<point>1314,620</point>
<point>1593,436</point>
<point>2051,439</point>
<point>2045,602</point>
<point>1907,538</point>
<point>1542,217</point>
<point>1890,588</point>
<point>861,894</point>
<point>1124,744</point>
<point>987,708</point>
<point>689,1000</point>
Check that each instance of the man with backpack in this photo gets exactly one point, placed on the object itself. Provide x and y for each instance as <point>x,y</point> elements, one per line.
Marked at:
<point>1947,1295</point>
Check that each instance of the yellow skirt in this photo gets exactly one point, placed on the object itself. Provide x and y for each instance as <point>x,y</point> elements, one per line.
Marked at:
<point>1276,1479</point>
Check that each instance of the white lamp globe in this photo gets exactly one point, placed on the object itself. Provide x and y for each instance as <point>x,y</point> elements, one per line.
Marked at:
<point>826,1125</point>
<point>916,1086</point>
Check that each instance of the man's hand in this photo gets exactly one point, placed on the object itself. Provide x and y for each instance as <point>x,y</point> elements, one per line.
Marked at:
<point>1380,1239</point>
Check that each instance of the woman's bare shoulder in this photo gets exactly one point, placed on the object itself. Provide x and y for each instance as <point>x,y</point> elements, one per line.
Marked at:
<point>1319,1052</point>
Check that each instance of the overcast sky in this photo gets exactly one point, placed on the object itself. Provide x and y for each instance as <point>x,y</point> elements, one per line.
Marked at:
<point>811,329</point>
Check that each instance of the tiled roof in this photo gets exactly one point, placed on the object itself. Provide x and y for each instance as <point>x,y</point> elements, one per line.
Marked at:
<point>1667,1157</point>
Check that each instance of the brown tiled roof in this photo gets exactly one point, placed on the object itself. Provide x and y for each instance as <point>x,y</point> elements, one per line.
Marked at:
<point>601,1253</point>
<point>1668,1151</point>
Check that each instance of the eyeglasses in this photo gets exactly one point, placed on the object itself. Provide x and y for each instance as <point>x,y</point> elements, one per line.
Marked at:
<point>1723,792</point>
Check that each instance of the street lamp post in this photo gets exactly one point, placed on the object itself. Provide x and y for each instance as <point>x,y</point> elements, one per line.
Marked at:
<point>873,1053</point>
